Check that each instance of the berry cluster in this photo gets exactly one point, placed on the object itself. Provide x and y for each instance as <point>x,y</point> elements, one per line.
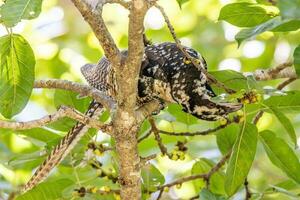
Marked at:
<point>178,152</point>
<point>97,148</point>
<point>249,97</point>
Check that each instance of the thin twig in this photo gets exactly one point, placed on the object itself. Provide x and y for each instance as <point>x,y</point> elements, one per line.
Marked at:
<point>248,192</point>
<point>217,167</point>
<point>144,160</point>
<point>145,136</point>
<point>257,117</point>
<point>206,132</point>
<point>285,83</point>
<point>63,111</point>
<point>82,191</point>
<point>83,90</point>
<point>158,139</point>
<point>194,198</point>
<point>160,194</point>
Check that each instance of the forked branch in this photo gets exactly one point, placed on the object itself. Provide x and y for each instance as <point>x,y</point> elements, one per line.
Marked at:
<point>83,90</point>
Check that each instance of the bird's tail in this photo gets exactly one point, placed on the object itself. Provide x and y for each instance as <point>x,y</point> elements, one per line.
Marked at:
<point>62,149</point>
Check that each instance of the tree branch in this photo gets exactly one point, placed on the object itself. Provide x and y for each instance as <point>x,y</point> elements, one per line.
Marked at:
<point>284,70</point>
<point>133,61</point>
<point>144,160</point>
<point>125,121</point>
<point>63,111</point>
<point>248,192</point>
<point>279,87</point>
<point>84,90</point>
<point>92,13</point>
<point>206,132</point>
<point>158,139</point>
<point>121,2</point>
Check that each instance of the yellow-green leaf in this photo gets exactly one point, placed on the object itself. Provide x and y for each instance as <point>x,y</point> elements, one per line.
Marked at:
<point>245,14</point>
<point>16,74</point>
<point>286,123</point>
<point>13,11</point>
<point>241,159</point>
<point>281,154</point>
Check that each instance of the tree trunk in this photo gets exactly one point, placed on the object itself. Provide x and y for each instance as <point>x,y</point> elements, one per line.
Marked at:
<point>129,160</point>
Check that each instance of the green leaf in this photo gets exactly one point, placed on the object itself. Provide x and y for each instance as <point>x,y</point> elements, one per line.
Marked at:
<point>234,80</point>
<point>286,123</point>
<point>241,159</point>
<point>266,2</point>
<point>245,14</point>
<point>71,99</point>
<point>289,102</point>
<point>181,2</point>
<point>40,134</point>
<point>152,178</point>
<point>252,32</point>
<point>16,74</point>
<point>176,111</point>
<point>289,8</point>
<point>205,194</point>
<point>216,181</point>
<point>281,154</point>
<point>297,60</point>
<point>47,190</point>
<point>13,11</point>
<point>226,138</point>
<point>26,161</point>
<point>230,78</point>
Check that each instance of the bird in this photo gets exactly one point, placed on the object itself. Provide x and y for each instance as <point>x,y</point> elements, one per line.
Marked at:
<point>165,75</point>
<point>168,76</point>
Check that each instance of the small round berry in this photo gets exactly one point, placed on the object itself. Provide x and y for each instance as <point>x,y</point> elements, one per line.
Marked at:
<point>241,119</point>
<point>174,157</point>
<point>117,196</point>
<point>94,190</point>
<point>223,121</point>
<point>240,113</point>
<point>258,97</point>
<point>178,186</point>
<point>186,61</point>
<point>246,101</point>
<point>166,189</point>
<point>105,189</point>
<point>98,152</point>
<point>182,157</point>
<point>254,90</point>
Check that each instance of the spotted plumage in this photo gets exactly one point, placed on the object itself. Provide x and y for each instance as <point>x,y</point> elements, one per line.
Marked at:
<point>167,75</point>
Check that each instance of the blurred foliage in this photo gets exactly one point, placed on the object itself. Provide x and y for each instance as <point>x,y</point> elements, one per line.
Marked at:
<point>233,36</point>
